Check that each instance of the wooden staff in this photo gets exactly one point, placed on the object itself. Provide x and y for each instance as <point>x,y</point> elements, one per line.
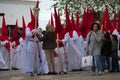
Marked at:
<point>36,13</point>
<point>11,54</point>
<point>58,54</point>
<point>10,57</point>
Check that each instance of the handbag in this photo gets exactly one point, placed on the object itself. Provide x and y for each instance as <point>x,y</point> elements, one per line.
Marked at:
<point>87,61</point>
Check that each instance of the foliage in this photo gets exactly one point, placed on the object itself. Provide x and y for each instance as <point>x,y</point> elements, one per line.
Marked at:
<point>97,6</point>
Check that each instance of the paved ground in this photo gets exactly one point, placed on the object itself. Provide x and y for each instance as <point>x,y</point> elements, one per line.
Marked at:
<point>80,75</point>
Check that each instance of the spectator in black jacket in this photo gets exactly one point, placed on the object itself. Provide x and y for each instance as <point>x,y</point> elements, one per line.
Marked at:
<point>49,46</point>
<point>115,65</point>
<point>106,51</point>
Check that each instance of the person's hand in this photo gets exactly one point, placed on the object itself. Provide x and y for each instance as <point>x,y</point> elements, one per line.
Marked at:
<point>58,40</point>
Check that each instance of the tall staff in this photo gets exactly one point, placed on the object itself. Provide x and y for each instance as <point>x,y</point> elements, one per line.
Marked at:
<point>36,14</point>
<point>58,53</point>
<point>10,57</point>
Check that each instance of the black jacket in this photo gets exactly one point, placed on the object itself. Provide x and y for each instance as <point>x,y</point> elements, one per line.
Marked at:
<point>48,40</point>
<point>115,49</point>
<point>106,47</point>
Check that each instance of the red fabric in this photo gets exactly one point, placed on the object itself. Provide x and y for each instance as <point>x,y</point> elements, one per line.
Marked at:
<point>102,23</point>
<point>113,22</point>
<point>85,28</point>
<point>15,32</point>
<point>58,26</point>
<point>61,36</point>
<point>105,22</point>
<point>68,27</point>
<point>108,23</point>
<point>5,33</point>
<point>37,4</point>
<point>31,24</point>
<point>4,28</point>
<point>78,23</point>
<point>52,22</point>
<point>24,27</point>
<point>118,21</point>
<point>91,18</point>
<point>15,35</point>
<point>73,23</point>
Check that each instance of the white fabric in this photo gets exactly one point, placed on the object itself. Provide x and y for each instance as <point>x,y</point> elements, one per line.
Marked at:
<point>16,57</point>
<point>30,56</point>
<point>80,43</point>
<point>3,64</point>
<point>60,61</point>
<point>72,51</point>
<point>115,32</point>
<point>5,55</point>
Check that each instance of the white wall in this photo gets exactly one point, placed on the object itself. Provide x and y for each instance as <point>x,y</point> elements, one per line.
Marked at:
<point>16,8</point>
<point>15,11</point>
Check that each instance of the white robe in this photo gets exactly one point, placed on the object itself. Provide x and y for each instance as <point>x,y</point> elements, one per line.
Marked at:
<point>33,57</point>
<point>61,60</point>
<point>4,56</point>
<point>73,53</point>
<point>3,63</point>
<point>17,56</point>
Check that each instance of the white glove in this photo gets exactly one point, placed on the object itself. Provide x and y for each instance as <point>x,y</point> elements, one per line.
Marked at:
<point>6,41</point>
<point>34,30</point>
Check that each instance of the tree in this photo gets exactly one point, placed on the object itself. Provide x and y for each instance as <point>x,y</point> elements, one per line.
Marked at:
<point>97,6</point>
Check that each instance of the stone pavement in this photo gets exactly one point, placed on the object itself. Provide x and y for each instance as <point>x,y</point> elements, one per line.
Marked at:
<point>79,75</point>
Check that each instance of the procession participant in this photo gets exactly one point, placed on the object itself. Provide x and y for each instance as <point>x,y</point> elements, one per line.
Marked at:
<point>31,52</point>
<point>73,53</point>
<point>3,64</point>
<point>61,51</point>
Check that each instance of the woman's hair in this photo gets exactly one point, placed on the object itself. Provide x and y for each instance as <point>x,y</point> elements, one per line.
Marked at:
<point>107,35</point>
<point>95,24</point>
<point>114,37</point>
<point>49,28</point>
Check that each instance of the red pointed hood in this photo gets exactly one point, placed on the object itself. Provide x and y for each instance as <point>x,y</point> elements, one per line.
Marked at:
<point>114,22</point>
<point>118,22</point>
<point>105,22</point>
<point>23,28</point>
<point>31,24</point>
<point>85,28</point>
<point>68,27</point>
<point>73,23</point>
<point>37,4</point>
<point>52,22</point>
<point>91,19</point>
<point>4,28</point>
<point>58,26</point>
<point>78,23</point>
<point>108,23</point>
<point>15,32</point>
<point>4,35</point>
